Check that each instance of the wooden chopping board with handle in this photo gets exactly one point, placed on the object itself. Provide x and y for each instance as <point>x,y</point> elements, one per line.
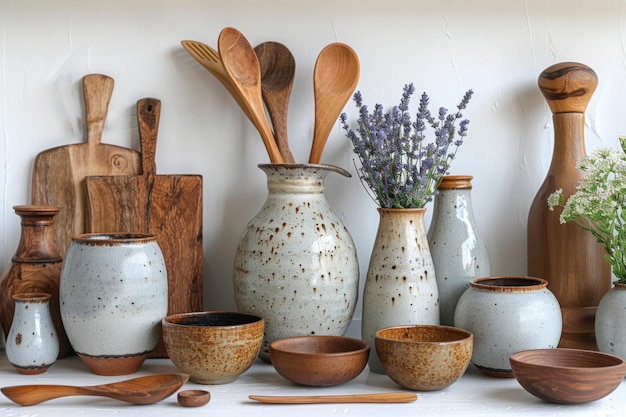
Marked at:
<point>59,173</point>
<point>167,206</point>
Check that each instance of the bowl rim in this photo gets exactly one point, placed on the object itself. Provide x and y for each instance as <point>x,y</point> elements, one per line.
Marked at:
<point>517,357</point>
<point>467,334</point>
<point>254,319</point>
<point>364,346</point>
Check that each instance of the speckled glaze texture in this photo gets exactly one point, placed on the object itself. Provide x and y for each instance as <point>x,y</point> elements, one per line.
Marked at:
<point>507,315</point>
<point>401,287</point>
<point>458,251</point>
<point>610,323</point>
<point>424,358</point>
<point>296,263</point>
<point>32,344</point>
<point>113,296</point>
<point>213,347</point>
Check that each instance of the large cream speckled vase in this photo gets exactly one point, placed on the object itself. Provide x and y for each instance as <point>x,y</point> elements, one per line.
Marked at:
<point>296,263</point>
<point>401,287</point>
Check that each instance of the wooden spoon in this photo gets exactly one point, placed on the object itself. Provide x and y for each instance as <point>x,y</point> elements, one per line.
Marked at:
<point>335,77</point>
<point>392,397</point>
<point>242,66</point>
<point>210,59</point>
<point>143,390</point>
<point>278,69</point>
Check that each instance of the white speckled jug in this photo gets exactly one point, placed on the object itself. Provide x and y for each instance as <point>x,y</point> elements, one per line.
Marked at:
<point>508,315</point>
<point>456,246</point>
<point>401,287</point>
<point>610,323</point>
<point>32,343</point>
<point>113,296</point>
<point>296,263</point>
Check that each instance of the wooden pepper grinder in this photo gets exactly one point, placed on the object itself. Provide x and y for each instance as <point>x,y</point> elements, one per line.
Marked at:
<point>566,255</point>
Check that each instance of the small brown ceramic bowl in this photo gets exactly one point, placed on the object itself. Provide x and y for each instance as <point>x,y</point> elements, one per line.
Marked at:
<point>568,376</point>
<point>213,347</point>
<point>424,357</point>
<point>319,361</point>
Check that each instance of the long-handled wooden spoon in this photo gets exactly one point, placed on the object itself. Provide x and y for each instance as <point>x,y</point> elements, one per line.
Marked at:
<point>278,69</point>
<point>210,59</point>
<point>143,390</point>
<point>242,66</point>
<point>335,77</point>
<point>391,397</point>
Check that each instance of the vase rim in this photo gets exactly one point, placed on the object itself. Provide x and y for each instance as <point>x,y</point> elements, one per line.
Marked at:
<point>113,238</point>
<point>455,182</point>
<point>509,284</point>
<point>327,167</point>
<point>32,296</point>
<point>620,285</point>
<point>402,210</point>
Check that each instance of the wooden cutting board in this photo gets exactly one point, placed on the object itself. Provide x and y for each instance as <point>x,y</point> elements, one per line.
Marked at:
<point>167,206</point>
<point>59,173</point>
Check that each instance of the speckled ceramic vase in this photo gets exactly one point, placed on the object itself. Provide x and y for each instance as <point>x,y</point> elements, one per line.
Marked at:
<point>113,297</point>
<point>458,251</point>
<point>507,315</point>
<point>401,287</point>
<point>610,322</point>
<point>32,344</point>
<point>296,264</point>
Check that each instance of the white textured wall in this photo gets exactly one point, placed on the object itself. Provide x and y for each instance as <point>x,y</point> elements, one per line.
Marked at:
<point>498,48</point>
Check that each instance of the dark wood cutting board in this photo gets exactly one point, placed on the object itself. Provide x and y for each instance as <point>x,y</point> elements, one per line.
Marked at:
<point>59,173</point>
<point>167,206</point>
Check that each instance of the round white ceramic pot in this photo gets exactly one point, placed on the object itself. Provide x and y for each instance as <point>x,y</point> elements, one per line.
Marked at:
<point>507,315</point>
<point>610,323</point>
<point>113,296</point>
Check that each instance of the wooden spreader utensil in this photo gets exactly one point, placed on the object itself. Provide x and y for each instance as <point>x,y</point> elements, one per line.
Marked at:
<point>59,173</point>
<point>388,397</point>
<point>167,206</point>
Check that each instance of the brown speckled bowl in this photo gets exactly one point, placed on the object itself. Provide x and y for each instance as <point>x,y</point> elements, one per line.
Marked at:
<point>319,361</point>
<point>568,376</point>
<point>424,357</point>
<point>213,347</point>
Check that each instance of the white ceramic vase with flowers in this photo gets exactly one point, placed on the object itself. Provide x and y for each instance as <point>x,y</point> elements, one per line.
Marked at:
<point>401,171</point>
<point>598,205</point>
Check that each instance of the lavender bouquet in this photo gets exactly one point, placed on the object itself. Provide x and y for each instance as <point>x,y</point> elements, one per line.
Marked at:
<point>398,167</point>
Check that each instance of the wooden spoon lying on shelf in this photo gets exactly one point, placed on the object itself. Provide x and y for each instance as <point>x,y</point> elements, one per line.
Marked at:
<point>242,66</point>
<point>390,397</point>
<point>335,77</point>
<point>143,390</point>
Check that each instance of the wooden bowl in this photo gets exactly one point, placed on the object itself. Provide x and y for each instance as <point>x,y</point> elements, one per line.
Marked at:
<point>213,347</point>
<point>568,376</point>
<point>319,361</point>
<point>424,357</point>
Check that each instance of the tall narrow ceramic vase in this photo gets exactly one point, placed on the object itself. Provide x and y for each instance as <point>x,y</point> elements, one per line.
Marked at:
<point>35,268</point>
<point>400,287</point>
<point>296,264</point>
<point>458,251</point>
<point>566,255</point>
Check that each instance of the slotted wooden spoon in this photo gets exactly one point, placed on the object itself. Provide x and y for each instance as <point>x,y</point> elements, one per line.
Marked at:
<point>335,77</point>
<point>143,390</point>
<point>278,69</point>
<point>242,66</point>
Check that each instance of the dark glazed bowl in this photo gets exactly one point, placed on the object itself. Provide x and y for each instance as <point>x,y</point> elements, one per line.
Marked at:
<point>319,361</point>
<point>568,376</point>
<point>213,347</point>
<point>424,357</point>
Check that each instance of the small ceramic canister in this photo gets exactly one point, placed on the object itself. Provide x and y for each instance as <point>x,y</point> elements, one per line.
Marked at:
<point>32,344</point>
<point>508,315</point>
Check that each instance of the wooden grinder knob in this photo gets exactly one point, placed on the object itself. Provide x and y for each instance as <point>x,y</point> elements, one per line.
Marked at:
<point>568,86</point>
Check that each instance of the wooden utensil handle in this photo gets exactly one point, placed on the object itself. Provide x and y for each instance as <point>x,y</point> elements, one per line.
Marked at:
<point>148,114</point>
<point>568,86</point>
<point>97,92</point>
<point>389,397</point>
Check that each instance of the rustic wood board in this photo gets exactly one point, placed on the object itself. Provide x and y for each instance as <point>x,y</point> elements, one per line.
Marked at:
<point>167,206</point>
<point>58,173</point>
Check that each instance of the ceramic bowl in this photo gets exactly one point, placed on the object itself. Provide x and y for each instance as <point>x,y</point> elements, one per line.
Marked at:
<point>213,347</point>
<point>319,361</point>
<point>568,376</point>
<point>424,357</point>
